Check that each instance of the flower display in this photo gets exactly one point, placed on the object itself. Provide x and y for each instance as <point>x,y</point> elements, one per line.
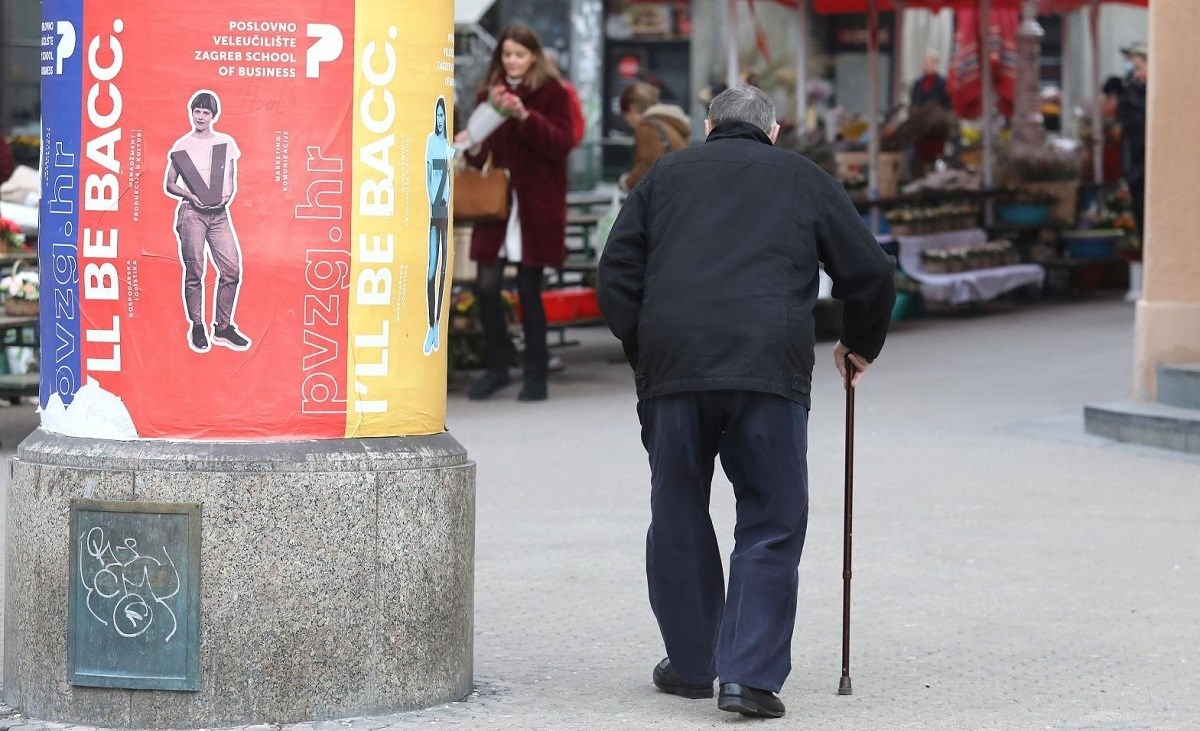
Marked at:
<point>462,302</point>
<point>21,291</point>
<point>11,236</point>
<point>1115,211</point>
<point>466,347</point>
<point>23,285</point>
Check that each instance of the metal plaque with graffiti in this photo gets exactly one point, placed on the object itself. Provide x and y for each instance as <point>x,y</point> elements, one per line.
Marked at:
<point>134,595</point>
<point>120,578</point>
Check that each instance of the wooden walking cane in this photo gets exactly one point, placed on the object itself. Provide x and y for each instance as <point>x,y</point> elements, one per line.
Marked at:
<point>844,687</point>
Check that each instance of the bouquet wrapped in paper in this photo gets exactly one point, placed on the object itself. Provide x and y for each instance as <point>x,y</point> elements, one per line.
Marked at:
<point>485,120</point>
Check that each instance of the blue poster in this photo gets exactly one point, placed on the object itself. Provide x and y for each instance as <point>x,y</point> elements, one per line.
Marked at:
<point>58,252</point>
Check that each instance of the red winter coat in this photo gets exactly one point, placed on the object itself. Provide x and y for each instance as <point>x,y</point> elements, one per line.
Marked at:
<point>7,165</point>
<point>535,153</point>
<point>578,121</point>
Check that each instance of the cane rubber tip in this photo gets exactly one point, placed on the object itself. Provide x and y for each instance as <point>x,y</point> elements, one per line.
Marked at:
<point>844,687</point>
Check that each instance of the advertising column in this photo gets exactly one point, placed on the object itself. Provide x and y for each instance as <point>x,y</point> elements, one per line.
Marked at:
<point>243,502</point>
<point>246,218</point>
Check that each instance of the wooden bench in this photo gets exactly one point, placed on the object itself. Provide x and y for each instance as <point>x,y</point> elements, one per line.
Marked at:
<point>584,226</point>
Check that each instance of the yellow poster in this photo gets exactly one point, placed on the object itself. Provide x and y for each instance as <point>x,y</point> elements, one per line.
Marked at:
<point>400,227</point>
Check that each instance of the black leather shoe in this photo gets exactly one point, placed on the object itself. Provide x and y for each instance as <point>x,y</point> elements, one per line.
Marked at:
<point>668,682</point>
<point>487,384</point>
<point>743,699</point>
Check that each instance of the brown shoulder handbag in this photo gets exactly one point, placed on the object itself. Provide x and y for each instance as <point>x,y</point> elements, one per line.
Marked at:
<point>481,195</point>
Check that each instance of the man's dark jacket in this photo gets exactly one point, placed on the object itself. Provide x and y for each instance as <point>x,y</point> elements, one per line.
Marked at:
<point>1131,112</point>
<point>710,274</point>
<point>933,90</point>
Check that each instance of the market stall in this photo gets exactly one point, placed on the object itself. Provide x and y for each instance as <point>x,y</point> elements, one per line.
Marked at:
<point>1025,190</point>
<point>963,267</point>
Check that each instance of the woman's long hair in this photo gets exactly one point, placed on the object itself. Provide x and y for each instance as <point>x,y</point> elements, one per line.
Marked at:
<point>537,74</point>
<point>441,105</point>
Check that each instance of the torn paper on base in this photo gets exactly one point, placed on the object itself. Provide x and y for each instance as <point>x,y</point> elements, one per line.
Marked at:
<point>94,413</point>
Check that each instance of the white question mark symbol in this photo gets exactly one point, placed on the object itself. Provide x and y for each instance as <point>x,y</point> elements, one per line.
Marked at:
<point>66,42</point>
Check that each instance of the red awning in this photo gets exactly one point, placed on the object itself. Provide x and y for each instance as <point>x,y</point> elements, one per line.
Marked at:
<point>827,7</point>
<point>965,82</point>
<point>1047,7</point>
<point>1050,7</point>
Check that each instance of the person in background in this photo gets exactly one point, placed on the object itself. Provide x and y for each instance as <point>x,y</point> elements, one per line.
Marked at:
<point>1111,128</point>
<point>1131,112</point>
<point>657,129</point>
<point>929,89</point>
<point>709,279</point>
<point>532,144</point>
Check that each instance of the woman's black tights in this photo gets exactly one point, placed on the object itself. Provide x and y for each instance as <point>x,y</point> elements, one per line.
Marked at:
<point>497,346</point>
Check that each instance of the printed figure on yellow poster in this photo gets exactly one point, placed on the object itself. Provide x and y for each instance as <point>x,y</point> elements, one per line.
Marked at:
<point>202,174</point>
<point>438,154</point>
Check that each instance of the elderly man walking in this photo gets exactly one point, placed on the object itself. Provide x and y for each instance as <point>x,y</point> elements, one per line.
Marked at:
<point>709,279</point>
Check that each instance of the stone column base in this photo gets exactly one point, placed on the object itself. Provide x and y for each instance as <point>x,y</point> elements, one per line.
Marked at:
<point>337,576</point>
<point>1164,332</point>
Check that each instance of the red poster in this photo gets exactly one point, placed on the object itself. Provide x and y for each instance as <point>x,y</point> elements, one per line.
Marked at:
<point>215,214</point>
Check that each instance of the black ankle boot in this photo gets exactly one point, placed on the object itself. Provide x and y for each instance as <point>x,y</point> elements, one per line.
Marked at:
<point>487,384</point>
<point>533,389</point>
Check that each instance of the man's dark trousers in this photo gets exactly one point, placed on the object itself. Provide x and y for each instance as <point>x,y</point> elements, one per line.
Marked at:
<point>762,440</point>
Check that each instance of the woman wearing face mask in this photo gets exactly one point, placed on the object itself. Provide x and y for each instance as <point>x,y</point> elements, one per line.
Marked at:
<point>532,144</point>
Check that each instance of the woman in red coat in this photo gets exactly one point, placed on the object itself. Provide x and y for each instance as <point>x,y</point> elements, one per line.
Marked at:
<point>532,144</point>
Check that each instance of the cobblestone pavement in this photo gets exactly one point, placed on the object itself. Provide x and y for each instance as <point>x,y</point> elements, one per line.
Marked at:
<point>1010,571</point>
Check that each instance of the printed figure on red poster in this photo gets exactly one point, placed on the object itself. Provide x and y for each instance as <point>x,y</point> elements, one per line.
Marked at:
<point>202,174</point>
<point>438,153</point>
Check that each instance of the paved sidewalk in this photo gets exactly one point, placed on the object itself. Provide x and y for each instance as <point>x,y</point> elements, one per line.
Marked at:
<point>1010,572</point>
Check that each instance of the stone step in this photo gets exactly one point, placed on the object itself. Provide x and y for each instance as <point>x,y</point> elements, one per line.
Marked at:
<point>1154,425</point>
<point>1179,385</point>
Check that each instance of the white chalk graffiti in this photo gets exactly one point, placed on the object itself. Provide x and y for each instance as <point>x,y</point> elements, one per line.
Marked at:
<point>111,572</point>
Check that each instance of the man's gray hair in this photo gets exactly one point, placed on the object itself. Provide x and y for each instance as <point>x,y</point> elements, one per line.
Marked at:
<point>743,104</point>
